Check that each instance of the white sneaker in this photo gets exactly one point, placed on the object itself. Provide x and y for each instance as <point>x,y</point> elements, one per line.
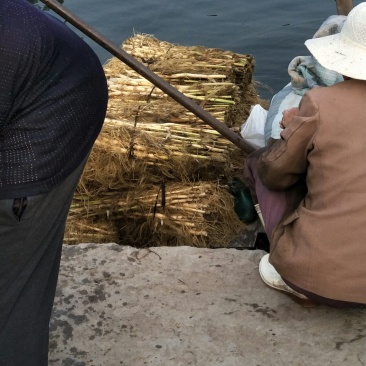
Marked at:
<point>273,279</point>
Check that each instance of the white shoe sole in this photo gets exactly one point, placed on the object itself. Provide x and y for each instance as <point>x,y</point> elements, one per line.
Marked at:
<point>273,279</point>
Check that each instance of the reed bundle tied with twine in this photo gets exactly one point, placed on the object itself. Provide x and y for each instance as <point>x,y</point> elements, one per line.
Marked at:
<point>123,155</point>
<point>194,214</point>
<point>157,174</point>
<point>220,81</point>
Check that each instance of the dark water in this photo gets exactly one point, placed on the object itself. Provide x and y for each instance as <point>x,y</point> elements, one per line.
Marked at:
<point>273,31</point>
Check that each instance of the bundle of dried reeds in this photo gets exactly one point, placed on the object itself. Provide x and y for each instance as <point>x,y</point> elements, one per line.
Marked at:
<point>123,154</point>
<point>198,214</point>
<point>221,81</point>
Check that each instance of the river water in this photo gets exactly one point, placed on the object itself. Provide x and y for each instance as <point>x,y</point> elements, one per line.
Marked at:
<point>273,31</point>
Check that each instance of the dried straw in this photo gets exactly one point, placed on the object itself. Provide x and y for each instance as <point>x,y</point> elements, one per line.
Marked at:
<point>123,154</point>
<point>149,142</point>
<point>220,81</point>
<point>90,230</point>
<point>198,214</point>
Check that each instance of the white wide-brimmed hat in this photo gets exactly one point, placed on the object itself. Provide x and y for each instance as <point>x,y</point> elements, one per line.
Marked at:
<point>344,52</point>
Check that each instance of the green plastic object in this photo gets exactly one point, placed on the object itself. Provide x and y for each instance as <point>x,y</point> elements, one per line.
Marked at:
<point>243,202</point>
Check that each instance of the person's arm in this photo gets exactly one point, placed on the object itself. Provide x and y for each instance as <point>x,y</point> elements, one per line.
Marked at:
<point>282,165</point>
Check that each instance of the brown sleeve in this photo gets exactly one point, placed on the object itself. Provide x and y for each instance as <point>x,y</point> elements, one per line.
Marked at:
<point>285,161</point>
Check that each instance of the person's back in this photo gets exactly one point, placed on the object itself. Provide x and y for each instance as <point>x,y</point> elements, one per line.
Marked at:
<point>50,113</point>
<point>321,247</point>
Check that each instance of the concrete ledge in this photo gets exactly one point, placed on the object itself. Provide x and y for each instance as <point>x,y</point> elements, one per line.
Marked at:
<point>184,306</point>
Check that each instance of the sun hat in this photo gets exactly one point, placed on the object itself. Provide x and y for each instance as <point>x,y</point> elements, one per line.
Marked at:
<point>344,52</point>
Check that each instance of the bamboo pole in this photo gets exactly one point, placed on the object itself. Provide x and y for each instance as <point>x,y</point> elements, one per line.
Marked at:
<point>344,6</point>
<point>151,76</point>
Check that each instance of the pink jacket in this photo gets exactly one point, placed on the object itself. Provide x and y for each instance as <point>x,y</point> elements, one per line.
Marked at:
<point>320,245</point>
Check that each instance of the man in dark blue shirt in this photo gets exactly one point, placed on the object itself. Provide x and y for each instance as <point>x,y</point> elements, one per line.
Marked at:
<point>53,99</point>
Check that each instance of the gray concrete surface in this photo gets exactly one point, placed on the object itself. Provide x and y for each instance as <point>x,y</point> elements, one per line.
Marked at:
<point>183,306</point>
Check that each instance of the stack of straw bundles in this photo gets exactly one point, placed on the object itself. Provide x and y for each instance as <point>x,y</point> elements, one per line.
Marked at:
<point>151,146</point>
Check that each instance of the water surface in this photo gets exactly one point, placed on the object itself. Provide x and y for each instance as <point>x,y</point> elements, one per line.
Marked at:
<point>273,31</point>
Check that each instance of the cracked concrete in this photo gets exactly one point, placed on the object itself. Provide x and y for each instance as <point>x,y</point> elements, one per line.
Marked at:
<point>118,305</point>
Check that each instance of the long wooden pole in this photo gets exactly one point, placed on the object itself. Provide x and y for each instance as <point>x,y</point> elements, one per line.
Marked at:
<point>151,76</point>
<point>344,6</point>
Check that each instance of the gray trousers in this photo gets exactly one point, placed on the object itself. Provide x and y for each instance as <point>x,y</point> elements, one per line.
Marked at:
<point>30,251</point>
